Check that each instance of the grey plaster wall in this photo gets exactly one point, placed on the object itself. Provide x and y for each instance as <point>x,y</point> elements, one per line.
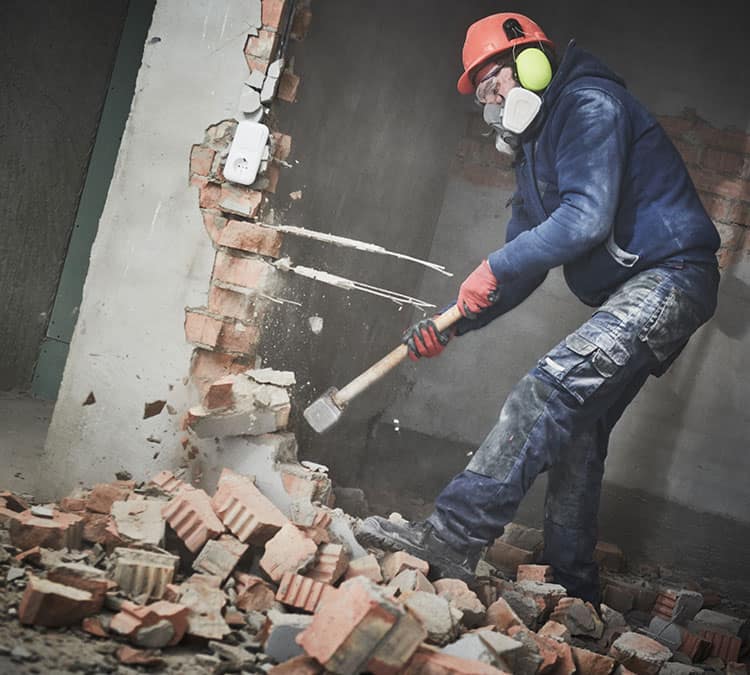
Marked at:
<point>55,63</point>
<point>151,258</point>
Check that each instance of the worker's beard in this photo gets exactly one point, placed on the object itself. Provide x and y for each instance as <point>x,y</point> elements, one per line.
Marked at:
<point>506,142</point>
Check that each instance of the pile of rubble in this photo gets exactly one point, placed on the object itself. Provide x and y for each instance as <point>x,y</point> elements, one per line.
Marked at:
<point>241,586</point>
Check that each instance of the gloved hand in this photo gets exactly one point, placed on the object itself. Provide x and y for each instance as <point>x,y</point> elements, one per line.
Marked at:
<point>478,291</point>
<point>424,339</point>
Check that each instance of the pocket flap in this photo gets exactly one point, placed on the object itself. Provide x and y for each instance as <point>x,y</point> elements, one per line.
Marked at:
<point>579,344</point>
<point>603,340</point>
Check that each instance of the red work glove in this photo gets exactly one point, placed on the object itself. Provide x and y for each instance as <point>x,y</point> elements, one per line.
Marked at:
<point>424,339</point>
<point>478,292</point>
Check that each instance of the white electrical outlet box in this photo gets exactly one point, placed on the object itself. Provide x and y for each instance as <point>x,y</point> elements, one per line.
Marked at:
<point>246,152</point>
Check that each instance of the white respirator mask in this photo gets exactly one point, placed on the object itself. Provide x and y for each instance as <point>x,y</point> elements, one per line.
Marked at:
<point>512,117</point>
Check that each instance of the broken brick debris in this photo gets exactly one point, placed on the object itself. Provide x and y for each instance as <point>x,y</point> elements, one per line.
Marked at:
<point>331,564</point>
<point>167,481</point>
<point>408,581</point>
<point>427,661</point>
<point>191,516</point>
<point>609,556</point>
<point>302,592</point>
<point>46,603</point>
<point>205,603</point>
<point>83,577</point>
<point>640,653</point>
<point>253,594</point>
<point>366,566</point>
<point>140,572</point>
<point>244,510</point>
<point>539,573</point>
<point>139,520</point>
<point>463,599</point>
<point>103,495</point>
<point>289,550</point>
<point>394,563</point>
<point>157,625</point>
<point>220,556</point>
<point>360,628</point>
<point>63,530</point>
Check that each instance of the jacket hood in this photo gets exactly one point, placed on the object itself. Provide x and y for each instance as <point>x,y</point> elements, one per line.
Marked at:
<point>575,64</point>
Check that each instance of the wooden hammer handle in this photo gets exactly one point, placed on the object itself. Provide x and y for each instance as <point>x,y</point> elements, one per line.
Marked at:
<point>388,362</point>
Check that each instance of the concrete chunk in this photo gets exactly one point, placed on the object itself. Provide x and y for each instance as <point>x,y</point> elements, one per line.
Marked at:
<point>140,520</point>
<point>140,572</point>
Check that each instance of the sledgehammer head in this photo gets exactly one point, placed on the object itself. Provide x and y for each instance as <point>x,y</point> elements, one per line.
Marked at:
<point>322,414</point>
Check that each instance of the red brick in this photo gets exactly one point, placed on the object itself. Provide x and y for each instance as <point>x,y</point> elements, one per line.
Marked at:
<point>690,152</point>
<point>253,594</point>
<point>609,556</point>
<point>501,615</point>
<point>695,647</point>
<point>255,64</point>
<point>103,495</point>
<point>282,145</point>
<point>366,566</point>
<point>728,139</point>
<point>618,597</point>
<point>289,550</point>
<point>556,630</point>
<point>464,599</point>
<point>138,657</point>
<point>545,647</point>
<point>262,46</point>
<point>209,196</point>
<point>207,367</point>
<point>507,557</point>
<point>190,515</point>
<point>167,481</point>
<point>201,160</point>
<point>250,237</point>
<point>301,483</point>
<point>46,603</point>
<point>579,617</point>
<point>93,626</point>
<point>288,86</point>
<point>539,573</point>
<point>723,645</point>
<point>676,126</point>
<point>243,272</point>
<point>427,661</point>
<point>720,185</point>
<point>640,653</point>
<point>32,556</point>
<point>739,213</point>
<point>299,665</point>
<point>716,207</point>
<point>239,200</point>
<point>83,577</point>
<point>302,592</point>
<point>394,563</point>
<point>232,303</point>
<point>664,605</point>
<point>592,663</point>
<point>64,530</point>
<point>216,332</point>
<point>13,502</point>
<point>359,628</point>
<point>272,11</point>
<point>219,395</point>
<point>332,562</point>
<point>244,510</point>
<point>723,161</point>
<point>214,222</point>
<point>132,618</point>
<point>73,504</point>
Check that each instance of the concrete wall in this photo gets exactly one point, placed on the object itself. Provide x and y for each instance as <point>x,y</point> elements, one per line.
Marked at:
<point>55,63</point>
<point>151,259</point>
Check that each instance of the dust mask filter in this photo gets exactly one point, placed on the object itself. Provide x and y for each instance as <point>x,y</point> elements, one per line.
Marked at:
<point>520,109</point>
<point>505,141</point>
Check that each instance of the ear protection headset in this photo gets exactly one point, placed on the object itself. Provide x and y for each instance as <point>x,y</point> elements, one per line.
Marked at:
<point>531,67</point>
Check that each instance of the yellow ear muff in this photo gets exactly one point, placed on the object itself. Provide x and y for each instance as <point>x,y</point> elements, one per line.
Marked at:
<point>534,69</point>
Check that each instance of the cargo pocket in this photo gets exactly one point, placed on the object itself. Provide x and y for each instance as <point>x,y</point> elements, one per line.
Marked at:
<point>584,361</point>
<point>671,325</point>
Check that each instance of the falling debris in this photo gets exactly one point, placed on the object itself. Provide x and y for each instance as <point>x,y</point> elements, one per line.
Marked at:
<point>396,425</point>
<point>354,243</point>
<point>316,324</point>
<point>297,194</point>
<point>152,409</point>
<point>90,399</point>
<point>285,265</point>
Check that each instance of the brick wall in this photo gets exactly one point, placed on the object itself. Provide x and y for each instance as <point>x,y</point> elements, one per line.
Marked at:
<point>225,331</point>
<point>718,161</point>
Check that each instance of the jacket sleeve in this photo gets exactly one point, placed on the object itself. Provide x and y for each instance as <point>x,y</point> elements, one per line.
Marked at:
<point>513,293</point>
<point>591,135</point>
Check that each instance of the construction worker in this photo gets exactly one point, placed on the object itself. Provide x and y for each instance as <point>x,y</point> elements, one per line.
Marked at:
<point>601,191</point>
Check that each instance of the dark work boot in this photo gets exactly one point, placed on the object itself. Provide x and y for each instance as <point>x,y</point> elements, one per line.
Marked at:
<point>421,540</point>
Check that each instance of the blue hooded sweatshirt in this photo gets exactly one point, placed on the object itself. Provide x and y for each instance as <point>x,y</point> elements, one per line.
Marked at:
<point>601,190</point>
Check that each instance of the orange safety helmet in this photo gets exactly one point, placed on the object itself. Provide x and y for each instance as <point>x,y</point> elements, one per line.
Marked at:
<point>494,35</point>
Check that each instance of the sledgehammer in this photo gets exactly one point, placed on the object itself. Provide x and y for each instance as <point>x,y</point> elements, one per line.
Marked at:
<point>323,413</point>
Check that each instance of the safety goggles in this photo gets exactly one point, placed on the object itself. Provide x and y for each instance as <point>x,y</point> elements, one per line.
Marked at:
<point>487,83</point>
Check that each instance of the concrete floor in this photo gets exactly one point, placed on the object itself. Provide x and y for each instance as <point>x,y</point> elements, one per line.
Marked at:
<point>23,429</point>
